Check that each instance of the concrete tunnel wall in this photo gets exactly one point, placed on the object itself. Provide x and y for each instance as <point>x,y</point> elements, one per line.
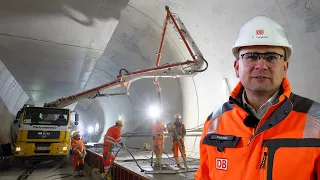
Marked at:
<point>137,36</point>
<point>139,52</point>
<point>133,45</point>
<point>12,98</point>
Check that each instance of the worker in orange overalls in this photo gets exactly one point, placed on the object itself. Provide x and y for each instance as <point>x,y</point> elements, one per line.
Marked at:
<point>178,132</point>
<point>157,133</point>
<point>78,153</point>
<point>111,138</point>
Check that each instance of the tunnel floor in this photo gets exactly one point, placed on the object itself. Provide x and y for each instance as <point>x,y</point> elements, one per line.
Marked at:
<point>50,170</point>
<point>46,170</point>
<point>168,171</point>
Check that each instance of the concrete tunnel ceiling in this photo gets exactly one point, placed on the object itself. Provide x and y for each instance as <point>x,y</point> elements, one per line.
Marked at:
<point>57,48</point>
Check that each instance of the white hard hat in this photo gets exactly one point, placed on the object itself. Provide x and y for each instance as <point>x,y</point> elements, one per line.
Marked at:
<point>177,116</point>
<point>262,30</point>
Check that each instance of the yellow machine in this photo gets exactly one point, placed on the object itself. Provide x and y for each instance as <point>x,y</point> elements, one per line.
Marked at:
<point>44,133</point>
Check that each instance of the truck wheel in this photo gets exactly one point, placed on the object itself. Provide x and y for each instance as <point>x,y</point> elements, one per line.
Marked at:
<point>64,161</point>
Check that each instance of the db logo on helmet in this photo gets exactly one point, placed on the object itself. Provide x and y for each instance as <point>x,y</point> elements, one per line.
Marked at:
<point>259,31</point>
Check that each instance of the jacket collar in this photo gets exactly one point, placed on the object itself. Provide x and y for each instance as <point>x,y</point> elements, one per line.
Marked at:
<point>284,91</point>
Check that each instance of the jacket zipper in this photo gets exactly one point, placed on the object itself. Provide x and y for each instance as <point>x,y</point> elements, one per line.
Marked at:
<point>264,159</point>
<point>263,164</point>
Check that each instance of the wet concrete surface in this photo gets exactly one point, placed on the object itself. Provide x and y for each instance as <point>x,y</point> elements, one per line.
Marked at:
<point>46,170</point>
<point>168,171</point>
<point>52,170</point>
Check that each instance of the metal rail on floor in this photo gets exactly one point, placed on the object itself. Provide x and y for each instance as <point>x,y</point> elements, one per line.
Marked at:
<point>95,160</point>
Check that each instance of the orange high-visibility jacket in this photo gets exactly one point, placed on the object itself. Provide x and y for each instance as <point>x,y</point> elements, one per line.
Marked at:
<point>157,130</point>
<point>113,135</point>
<point>177,129</point>
<point>284,144</point>
<point>77,146</point>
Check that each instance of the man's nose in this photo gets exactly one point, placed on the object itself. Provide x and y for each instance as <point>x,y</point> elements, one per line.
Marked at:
<point>261,63</point>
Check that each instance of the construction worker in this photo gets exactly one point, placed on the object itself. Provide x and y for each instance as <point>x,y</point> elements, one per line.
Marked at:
<point>157,132</point>
<point>178,132</point>
<point>264,131</point>
<point>78,153</point>
<point>112,137</point>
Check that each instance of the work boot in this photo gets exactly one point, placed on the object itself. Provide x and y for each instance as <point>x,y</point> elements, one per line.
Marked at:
<point>178,162</point>
<point>185,162</point>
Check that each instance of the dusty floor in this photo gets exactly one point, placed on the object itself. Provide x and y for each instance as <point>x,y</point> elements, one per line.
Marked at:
<point>47,170</point>
<point>169,170</point>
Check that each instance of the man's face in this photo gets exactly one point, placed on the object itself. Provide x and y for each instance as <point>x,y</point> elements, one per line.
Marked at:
<point>261,76</point>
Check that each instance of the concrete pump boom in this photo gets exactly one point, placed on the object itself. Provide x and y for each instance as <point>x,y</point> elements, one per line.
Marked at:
<point>174,70</point>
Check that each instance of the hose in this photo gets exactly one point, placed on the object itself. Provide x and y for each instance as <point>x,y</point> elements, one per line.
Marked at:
<point>142,170</point>
<point>205,67</point>
<point>120,71</point>
<point>113,160</point>
<point>168,156</point>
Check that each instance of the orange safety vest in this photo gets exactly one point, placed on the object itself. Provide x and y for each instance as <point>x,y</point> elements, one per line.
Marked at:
<point>284,144</point>
<point>157,130</point>
<point>181,131</point>
<point>77,146</point>
<point>113,135</point>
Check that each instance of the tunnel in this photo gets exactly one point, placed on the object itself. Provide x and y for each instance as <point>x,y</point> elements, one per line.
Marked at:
<point>55,49</point>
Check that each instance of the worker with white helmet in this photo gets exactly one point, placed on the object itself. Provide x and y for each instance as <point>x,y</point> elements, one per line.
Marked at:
<point>78,153</point>
<point>264,131</point>
<point>178,132</point>
<point>112,137</point>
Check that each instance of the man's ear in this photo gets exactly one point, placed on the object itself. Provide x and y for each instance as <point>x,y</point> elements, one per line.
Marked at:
<point>236,67</point>
<point>285,67</point>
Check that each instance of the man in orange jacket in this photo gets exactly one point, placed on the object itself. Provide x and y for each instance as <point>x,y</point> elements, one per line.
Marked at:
<point>157,133</point>
<point>111,138</point>
<point>178,132</point>
<point>264,131</point>
<point>78,153</point>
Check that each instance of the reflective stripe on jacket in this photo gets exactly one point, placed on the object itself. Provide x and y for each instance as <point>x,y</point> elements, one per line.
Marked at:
<point>284,144</point>
<point>77,146</point>
<point>113,135</point>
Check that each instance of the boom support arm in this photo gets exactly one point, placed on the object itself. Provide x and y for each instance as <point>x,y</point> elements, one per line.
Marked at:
<point>174,70</point>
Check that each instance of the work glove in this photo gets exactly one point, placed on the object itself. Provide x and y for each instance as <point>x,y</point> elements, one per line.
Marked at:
<point>179,137</point>
<point>124,147</point>
<point>80,155</point>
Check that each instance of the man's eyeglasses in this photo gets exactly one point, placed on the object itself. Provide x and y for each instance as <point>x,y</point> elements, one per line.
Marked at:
<point>251,58</point>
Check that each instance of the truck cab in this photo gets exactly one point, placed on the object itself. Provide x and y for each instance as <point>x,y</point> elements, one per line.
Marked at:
<point>43,133</point>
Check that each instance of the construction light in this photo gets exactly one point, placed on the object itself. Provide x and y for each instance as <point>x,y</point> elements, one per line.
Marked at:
<point>90,129</point>
<point>154,111</point>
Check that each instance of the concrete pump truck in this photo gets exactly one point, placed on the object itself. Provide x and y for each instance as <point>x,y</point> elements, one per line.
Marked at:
<point>44,132</point>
